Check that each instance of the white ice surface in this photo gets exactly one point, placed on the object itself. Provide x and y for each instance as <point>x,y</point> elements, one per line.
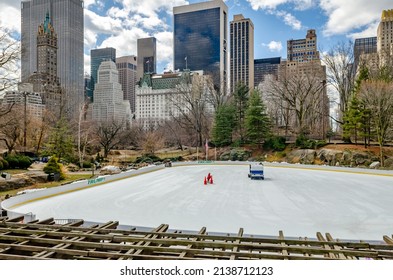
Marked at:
<point>299,202</point>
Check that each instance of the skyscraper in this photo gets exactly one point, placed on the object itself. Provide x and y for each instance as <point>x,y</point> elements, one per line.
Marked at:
<point>109,104</point>
<point>363,46</point>
<point>96,57</point>
<point>200,39</point>
<point>264,67</point>
<point>127,67</point>
<point>242,51</point>
<point>385,33</point>
<point>303,50</point>
<point>147,56</point>
<point>45,80</point>
<point>67,19</point>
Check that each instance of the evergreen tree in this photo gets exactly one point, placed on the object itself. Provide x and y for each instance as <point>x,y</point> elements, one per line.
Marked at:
<point>60,142</point>
<point>357,117</point>
<point>224,125</point>
<point>352,120</point>
<point>257,122</point>
<point>241,94</point>
<point>54,167</point>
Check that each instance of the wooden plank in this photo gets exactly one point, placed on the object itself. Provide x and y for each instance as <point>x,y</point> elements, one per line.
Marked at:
<point>340,255</point>
<point>321,238</point>
<point>183,254</point>
<point>161,228</point>
<point>207,237</point>
<point>284,252</point>
<point>387,239</point>
<point>237,241</point>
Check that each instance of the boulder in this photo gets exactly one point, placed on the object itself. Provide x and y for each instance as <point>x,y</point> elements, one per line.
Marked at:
<point>305,156</point>
<point>359,158</point>
<point>375,165</point>
<point>109,170</point>
<point>330,157</point>
<point>16,182</point>
<point>388,163</point>
<point>236,154</point>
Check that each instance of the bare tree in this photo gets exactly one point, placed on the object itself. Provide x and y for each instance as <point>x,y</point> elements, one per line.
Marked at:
<point>217,95</point>
<point>85,133</point>
<point>151,141</point>
<point>378,98</point>
<point>9,59</point>
<point>108,135</point>
<point>190,107</point>
<point>11,133</point>
<point>300,94</point>
<point>339,62</point>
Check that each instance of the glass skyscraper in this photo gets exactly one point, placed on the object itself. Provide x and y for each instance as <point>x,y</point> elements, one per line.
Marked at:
<point>200,39</point>
<point>67,18</point>
<point>96,57</point>
<point>363,46</point>
<point>264,67</point>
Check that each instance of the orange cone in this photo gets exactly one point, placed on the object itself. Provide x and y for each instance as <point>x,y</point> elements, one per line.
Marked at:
<point>211,179</point>
<point>205,181</point>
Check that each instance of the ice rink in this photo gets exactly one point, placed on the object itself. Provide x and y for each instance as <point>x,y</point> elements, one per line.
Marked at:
<point>298,201</point>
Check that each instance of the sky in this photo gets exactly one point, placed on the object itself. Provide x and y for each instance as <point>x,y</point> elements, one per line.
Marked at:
<point>119,23</point>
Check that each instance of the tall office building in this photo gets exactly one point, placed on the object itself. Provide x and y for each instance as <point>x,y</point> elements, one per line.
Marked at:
<point>67,20</point>
<point>127,67</point>
<point>242,51</point>
<point>96,57</point>
<point>303,50</point>
<point>385,33</point>
<point>45,80</point>
<point>109,103</point>
<point>264,67</point>
<point>147,56</point>
<point>200,39</point>
<point>363,46</point>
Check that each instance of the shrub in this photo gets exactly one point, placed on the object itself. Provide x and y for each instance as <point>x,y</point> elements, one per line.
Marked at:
<point>87,164</point>
<point>5,163</point>
<point>24,162</point>
<point>18,161</point>
<point>276,143</point>
<point>12,162</point>
<point>54,167</point>
<point>147,159</point>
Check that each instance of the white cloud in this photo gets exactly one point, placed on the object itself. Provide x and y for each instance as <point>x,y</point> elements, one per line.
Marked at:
<point>370,31</point>
<point>125,42</point>
<point>150,7</point>
<point>273,4</point>
<point>86,58</point>
<point>101,24</point>
<point>165,45</point>
<point>289,19</point>
<point>345,16</point>
<point>88,3</point>
<point>266,4</point>
<point>274,46</point>
<point>271,8</point>
<point>10,17</point>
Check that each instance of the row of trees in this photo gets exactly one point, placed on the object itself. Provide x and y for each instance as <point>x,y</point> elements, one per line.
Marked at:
<point>294,104</point>
<point>365,89</point>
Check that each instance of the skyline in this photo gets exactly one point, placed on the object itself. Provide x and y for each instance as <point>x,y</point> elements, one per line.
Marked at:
<point>119,23</point>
